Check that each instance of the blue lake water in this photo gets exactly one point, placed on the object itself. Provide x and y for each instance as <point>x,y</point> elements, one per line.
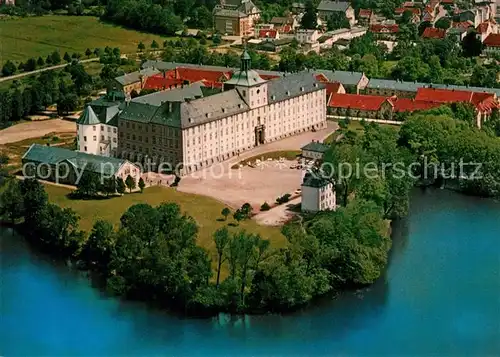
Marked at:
<point>440,296</point>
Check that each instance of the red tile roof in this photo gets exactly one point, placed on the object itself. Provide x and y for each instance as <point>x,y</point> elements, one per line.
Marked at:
<point>268,33</point>
<point>357,101</point>
<point>408,4</point>
<point>365,13</point>
<point>411,105</point>
<point>483,27</point>
<point>286,29</point>
<point>484,102</point>
<point>195,75</point>
<point>447,2</point>
<point>437,95</point>
<point>268,76</point>
<point>384,28</point>
<point>493,40</point>
<point>159,82</point>
<point>462,25</point>
<point>431,32</point>
<point>332,87</point>
<point>401,10</point>
<point>322,78</point>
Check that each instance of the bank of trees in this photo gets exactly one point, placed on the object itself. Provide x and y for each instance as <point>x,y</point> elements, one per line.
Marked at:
<point>153,254</point>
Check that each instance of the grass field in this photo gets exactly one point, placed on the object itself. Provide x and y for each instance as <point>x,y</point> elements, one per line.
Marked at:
<point>205,210</point>
<point>23,38</point>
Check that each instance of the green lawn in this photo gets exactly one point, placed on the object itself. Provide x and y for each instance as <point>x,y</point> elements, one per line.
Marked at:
<point>275,155</point>
<point>205,210</point>
<point>357,127</point>
<point>23,38</point>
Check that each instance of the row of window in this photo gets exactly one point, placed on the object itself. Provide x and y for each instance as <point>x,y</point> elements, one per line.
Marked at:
<point>94,138</point>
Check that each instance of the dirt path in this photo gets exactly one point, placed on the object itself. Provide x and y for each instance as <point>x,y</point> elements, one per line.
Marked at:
<point>278,215</point>
<point>35,129</point>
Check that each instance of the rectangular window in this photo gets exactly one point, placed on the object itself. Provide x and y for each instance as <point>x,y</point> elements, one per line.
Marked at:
<point>85,148</point>
<point>102,137</point>
<point>114,130</point>
<point>84,138</point>
<point>93,127</point>
<point>95,138</point>
<point>102,128</point>
<point>114,140</point>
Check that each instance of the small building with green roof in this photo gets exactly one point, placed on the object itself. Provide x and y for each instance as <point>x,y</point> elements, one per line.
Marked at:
<point>52,163</point>
<point>314,150</point>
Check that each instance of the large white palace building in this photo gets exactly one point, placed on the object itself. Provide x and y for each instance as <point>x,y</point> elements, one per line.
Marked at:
<point>193,127</point>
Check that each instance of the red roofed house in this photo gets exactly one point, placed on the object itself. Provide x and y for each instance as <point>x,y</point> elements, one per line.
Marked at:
<point>322,78</point>
<point>384,29</point>
<point>483,102</point>
<point>160,82</point>
<point>189,75</point>
<point>492,43</point>
<point>434,33</point>
<point>365,16</point>
<point>269,33</point>
<point>360,106</point>
<point>411,105</point>
<point>484,29</point>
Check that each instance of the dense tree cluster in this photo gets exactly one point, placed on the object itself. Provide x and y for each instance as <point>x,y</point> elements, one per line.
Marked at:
<point>189,51</point>
<point>62,88</point>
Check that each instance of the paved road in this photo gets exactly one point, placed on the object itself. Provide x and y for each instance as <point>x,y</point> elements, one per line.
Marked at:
<point>20,75</point>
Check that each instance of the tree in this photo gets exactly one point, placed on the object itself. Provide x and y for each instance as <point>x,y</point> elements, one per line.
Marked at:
<point>30,65</point>
<point>108,186</point>
<point>338,20</point>
<point>154,45</point>
<point>141,47</point>
<point>238,216</point>
<point>443,23</point>
<point>8,69</point>
<point>40,62</point>
<point>216,39</point>
<point>67,57</point>
<point>48,60</point>
<point>225,212</point>
<point>89,184</point>
<point>120,186</point>
<point>11,201</point>
<point>246,210</point>
<point>472,45</point>
<point>130,183</point>
<point>56,57</point>
<point>97,52</point>
<point>35,201</point>
<point>141,184</point>
<point>98,247</point>
<point>88,52</point>
<point>309,19</point>
<point>221,238</point>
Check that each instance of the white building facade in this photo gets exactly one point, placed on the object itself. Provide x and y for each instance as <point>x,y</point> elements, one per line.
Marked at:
<point>97,127</point>
<point>318,194</point>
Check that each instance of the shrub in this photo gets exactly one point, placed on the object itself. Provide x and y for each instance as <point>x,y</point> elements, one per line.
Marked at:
<point>265,207</point>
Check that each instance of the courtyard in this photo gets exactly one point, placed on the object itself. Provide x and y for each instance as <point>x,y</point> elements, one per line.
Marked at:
<point>262,183</point>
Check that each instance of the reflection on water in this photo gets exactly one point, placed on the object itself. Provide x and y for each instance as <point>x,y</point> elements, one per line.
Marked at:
<point>439,296</point>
